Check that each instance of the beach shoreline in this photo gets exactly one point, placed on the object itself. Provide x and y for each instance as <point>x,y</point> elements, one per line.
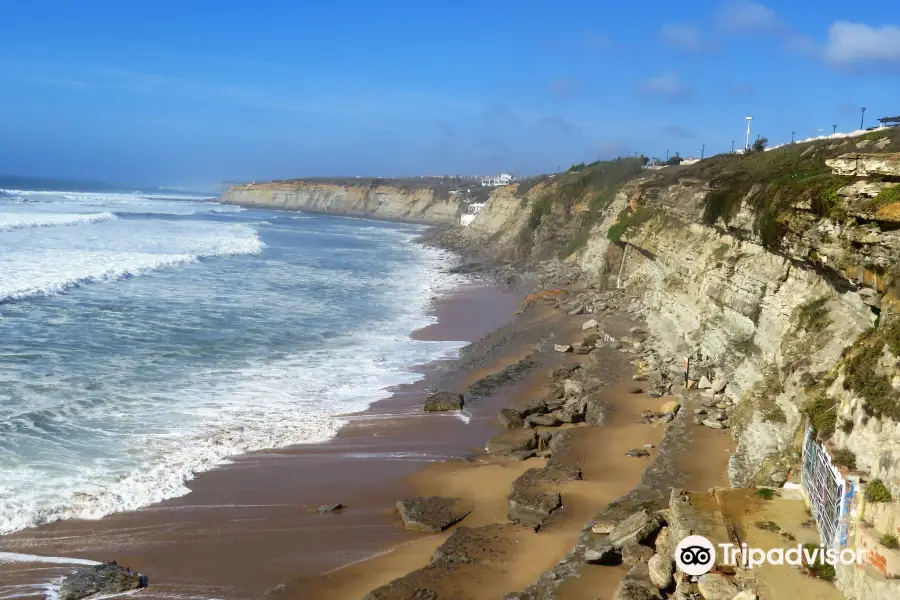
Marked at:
<point>259,510</point>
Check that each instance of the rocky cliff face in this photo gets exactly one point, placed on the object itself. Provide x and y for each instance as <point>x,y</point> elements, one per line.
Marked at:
<point>409,203</point>
<point>765,270</point>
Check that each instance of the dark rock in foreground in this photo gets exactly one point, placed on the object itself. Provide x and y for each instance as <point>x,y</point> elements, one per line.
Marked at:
<point>327,508</point>
<point>443,401</point>
<point>108,578</point>
<point>432,514</point>
<point>512,441</point>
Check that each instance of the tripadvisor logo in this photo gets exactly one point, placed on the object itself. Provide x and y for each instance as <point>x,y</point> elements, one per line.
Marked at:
<point>696,555</point>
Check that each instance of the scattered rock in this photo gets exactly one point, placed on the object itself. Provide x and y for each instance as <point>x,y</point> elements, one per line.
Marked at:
<point>699,411</point>
<point>604,527</point>
<point>639,377</point>
<point>714,586</point>
<point>638,527</point>
<point>636,390</point>
<point>662,542</point>
<point>562,347</point>
<point>746,595</point>
<point>573,389</point>
<point>512,441</point>
<point>522,455</point>
<point>577,311</point>
<point>107,578</point>
<point>604,555</point>
<point>654,394</point>
<point>634,553</point>
<point>551,420</point>
<point>718,386</point>
<point>636,585</point>
<point>778,478</point>
<point>661,569</point>
<point>327,508</point>
<point>432,514</point>
<point>535,406</point>
<point>582,349</point>
<point>443,401</point>
<point>670,407</point>
<point>637,452</point>
<point>510,418</point>
<point>592,324</point>
<point>704,383</point>
<point>713,424</point>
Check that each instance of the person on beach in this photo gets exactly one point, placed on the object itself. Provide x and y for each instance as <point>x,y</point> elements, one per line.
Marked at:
<point>687,363</point>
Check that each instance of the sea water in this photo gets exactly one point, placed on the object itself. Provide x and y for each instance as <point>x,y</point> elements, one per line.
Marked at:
<point>144,339</point>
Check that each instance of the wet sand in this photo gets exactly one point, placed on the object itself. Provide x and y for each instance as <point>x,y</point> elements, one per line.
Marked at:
<point>252,524</point>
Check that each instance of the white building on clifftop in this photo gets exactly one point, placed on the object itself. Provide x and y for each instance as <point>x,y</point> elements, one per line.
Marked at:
<point>497,180</point>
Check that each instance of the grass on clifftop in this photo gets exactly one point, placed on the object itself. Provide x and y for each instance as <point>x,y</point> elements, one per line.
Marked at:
<point>771,183</point>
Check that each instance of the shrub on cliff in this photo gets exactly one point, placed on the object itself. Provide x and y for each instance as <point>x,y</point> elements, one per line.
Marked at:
<point>876,491</point>
<point>760,144</point>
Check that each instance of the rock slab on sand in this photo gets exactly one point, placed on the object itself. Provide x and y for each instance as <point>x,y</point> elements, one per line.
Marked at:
<point>512,441</point>
<point>108,578</point>
<point>443,401</point>
<point>432,514</point>
<point>716,587</point>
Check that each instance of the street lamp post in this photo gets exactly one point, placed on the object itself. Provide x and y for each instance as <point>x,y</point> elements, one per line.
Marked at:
<point>732,146</point>
<point>792,136</point>
<point>667,155</point>
<point>702,151</point>
<point>747,145</point>
<point>833,129</point>
<point>862,118</point>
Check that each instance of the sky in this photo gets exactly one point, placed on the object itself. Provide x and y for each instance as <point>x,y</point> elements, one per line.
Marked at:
<point>192,93</point>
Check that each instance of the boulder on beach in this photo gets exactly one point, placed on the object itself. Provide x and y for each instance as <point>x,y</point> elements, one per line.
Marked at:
<point>562,347</point>
<point>327,508</point>
<point>512,441</point>
<point>637,452</point>
<point>670,407</point>
<point>713,424</point>
<point>639,527</point>
<point>592,324</point>
<point>510,418</point>
<point>634,553</point>
<point>661,570</point>
<point>714,586</point>
<point>106,578</point>
<point>602,555</point>
<point>704,383</point>
<point>443,401</point>
<point>432,514</point>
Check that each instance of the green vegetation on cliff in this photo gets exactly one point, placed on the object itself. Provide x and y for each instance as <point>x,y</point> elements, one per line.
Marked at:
<point>773,184</point>
<point>863,375</point>
<point>569,203</point>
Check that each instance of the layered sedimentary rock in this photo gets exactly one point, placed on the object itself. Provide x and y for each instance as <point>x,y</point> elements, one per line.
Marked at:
<point>407,203</point>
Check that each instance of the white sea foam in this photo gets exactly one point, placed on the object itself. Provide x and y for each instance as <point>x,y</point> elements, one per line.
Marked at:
<point>15,557</point>
<point>10,221</point>
<point>153,438</point>
<point>32,267</point>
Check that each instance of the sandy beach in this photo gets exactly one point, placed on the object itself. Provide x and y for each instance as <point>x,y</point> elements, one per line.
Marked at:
<point>252,524</point>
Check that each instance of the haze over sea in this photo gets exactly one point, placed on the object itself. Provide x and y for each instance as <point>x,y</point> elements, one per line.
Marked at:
<point>148,338</point>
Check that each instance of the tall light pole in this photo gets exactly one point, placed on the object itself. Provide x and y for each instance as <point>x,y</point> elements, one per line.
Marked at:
<point>667,155</point>
<point>702,151</point>
<point>862,118</point>
<point>732,146</point>
<point>833,129</point>
<point>747,145</point>
<point>792,136</point>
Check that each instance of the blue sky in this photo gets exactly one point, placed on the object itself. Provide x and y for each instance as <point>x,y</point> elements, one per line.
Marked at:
<point>188,93</point>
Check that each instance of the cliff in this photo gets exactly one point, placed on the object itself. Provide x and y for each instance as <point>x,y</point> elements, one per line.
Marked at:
<point>766,269</point>
<point>426,201</point>
<point>778,273</point>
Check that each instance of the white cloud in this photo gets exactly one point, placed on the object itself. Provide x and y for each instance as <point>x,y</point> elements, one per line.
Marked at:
<point>684,37</point>
<point>860,45</point>
<point>667,86</point>
<point>748,17</point>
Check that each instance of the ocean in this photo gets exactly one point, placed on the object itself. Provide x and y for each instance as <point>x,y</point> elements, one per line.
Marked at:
<point>144,339</point>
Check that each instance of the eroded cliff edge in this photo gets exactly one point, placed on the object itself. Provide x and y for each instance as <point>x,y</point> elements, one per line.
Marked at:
<point>768,270</point>
<point>425,201</point>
